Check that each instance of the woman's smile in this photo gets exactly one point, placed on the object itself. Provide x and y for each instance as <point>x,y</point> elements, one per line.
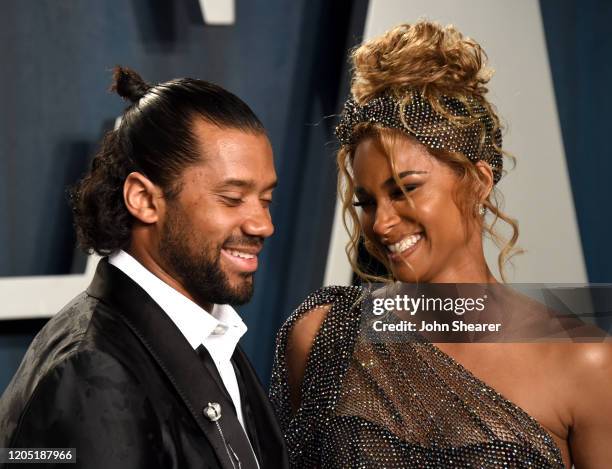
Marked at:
<point>402,249</point>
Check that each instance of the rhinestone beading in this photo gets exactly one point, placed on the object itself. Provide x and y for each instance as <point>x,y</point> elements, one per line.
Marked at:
<point>469,130</point>
<point>395,405</point>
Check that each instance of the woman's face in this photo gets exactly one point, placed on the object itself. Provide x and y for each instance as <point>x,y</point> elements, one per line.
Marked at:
<point>425,240</point>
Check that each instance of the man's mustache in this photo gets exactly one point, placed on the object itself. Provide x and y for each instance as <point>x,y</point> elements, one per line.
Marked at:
<point>251,241</point>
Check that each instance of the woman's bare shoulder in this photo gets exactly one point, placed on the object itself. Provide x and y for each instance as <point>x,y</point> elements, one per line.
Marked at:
<point>302,335</point>
<point>303,328</point>
<point>589,366</point>
<point>584,360</point>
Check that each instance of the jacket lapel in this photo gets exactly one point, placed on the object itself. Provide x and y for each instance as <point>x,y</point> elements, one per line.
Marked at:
<point>192,381</point>
<point>260,418</point>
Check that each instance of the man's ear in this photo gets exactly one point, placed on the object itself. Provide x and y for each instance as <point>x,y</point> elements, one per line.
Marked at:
<point>143,199</point>
<point>486,178</point>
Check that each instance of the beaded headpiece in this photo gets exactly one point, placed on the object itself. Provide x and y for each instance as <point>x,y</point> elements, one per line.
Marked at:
<point>478,140</point>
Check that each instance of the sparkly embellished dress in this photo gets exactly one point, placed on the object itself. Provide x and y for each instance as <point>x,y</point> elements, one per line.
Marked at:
<point>395,405</point>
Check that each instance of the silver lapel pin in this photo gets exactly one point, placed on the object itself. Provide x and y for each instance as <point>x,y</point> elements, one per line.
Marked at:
<point>213,413</point>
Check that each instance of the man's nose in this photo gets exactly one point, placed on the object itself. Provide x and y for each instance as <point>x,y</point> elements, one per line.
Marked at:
<point>258,223</point>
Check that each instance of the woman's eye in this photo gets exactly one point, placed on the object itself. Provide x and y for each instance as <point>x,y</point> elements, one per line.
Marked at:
<point>398,194</point>
<point>363,203</point>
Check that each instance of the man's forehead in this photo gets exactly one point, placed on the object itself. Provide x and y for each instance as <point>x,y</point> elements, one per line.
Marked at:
<point>207,132</point>
<point>213,140</point>
<point>233,157</point>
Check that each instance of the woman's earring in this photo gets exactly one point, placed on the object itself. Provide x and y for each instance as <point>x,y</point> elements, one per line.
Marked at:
<point>481,210</point>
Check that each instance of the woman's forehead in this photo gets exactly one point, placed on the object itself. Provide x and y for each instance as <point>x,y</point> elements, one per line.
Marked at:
<point>382,155</point>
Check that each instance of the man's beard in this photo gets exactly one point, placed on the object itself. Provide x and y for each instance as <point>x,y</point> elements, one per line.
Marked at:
<point>198,268</point>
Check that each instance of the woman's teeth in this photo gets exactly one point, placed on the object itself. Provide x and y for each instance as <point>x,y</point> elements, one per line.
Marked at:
<point>242,255</point>
<point>405,243</point>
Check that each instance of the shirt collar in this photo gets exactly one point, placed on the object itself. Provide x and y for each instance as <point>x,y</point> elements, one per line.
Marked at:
<point>194,322</point>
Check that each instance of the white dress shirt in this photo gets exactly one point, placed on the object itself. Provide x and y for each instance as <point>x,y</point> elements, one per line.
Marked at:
<point>218,331</point>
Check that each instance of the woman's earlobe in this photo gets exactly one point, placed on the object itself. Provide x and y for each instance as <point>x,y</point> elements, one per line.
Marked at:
<point>141,198</point>
<point>486,178</point>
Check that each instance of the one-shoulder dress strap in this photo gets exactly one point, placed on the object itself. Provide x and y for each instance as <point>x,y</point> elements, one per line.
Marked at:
<point>327,362</point>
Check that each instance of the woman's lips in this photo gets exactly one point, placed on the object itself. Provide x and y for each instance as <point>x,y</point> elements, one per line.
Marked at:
<point>404,248</point>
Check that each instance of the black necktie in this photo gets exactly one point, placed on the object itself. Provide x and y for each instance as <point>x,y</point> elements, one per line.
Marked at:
<point>247,411</point>
<point>210,366</point>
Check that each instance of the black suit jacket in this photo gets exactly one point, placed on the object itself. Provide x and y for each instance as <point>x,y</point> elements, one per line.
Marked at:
<point>112,376</point>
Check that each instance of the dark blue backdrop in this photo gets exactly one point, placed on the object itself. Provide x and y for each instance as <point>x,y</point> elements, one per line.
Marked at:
<point>579,45</point>
<point>286,59</point>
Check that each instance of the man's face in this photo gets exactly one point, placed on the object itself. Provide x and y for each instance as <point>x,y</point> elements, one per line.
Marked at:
<point>214,230</point>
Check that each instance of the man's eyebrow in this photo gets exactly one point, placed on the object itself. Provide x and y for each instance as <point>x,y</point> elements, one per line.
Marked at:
<point>238,183</point>
<point>271,186</point>
<point>244,183</point>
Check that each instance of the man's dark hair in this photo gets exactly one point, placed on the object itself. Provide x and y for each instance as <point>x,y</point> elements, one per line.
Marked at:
<point>155,138</point>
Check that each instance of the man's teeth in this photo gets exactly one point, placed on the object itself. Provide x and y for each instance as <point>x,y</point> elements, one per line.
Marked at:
<point>242,255</point>
<point>405,243</point>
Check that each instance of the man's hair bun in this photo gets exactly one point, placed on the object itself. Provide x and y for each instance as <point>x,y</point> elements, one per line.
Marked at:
<point>128,84</point>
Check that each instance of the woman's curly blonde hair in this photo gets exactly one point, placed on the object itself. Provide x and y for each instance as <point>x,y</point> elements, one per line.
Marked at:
<point>437,61</point>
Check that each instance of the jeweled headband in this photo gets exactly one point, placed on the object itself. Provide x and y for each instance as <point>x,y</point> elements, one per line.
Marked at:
<point>429,127</point>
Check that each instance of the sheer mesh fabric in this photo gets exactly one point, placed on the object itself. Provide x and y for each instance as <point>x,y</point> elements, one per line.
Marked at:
<point>395,405</point>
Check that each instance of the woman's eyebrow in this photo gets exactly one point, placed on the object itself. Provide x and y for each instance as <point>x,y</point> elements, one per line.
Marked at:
<point>403,174</point>
<point>360,191</point>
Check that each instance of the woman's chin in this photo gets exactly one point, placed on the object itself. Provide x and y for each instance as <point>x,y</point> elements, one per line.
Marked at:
<point>407,275</point>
